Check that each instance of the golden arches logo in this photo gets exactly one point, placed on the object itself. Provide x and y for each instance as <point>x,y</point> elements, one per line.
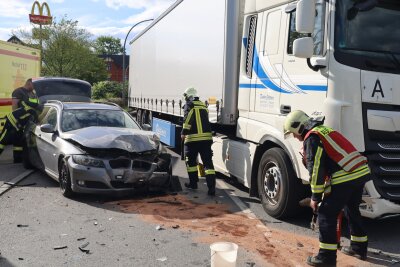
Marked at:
<point>40,18</point>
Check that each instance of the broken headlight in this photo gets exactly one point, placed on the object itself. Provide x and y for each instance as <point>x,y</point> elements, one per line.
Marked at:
<point>155,139</point>
<point>87,161</point>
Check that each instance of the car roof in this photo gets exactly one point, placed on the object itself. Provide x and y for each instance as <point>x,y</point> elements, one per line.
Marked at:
<point>85,105</point>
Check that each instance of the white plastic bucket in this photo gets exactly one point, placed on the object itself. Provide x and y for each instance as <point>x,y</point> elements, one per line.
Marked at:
<point>223,254</point>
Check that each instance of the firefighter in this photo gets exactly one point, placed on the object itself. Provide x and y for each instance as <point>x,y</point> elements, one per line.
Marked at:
<point>22,98</point>
<point>25,93</point>
<point>197,137</point>
<point>338,173</point>
<point>13,129</point>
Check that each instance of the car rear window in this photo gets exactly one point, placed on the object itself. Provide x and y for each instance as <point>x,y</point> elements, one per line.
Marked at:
<point>77,119</point>
<point>54,89</point>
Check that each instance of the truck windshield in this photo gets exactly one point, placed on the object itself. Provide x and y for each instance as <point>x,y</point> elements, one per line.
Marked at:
<point>367,34</point>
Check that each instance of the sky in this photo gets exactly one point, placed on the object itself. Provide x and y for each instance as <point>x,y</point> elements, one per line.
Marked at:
<point>99,17</point>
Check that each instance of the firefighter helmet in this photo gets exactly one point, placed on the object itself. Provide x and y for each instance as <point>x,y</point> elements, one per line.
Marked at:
<point>190,92</point>
<point>296,122</point>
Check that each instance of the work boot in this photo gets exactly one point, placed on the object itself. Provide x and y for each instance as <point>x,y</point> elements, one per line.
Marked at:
<point>191,185</point>
<point>350,252</point>
<point>211,192</point>
<point>319,261</point>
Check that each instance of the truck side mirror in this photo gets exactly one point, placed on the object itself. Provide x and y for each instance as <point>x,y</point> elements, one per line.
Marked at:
<point>305,16</point>
<point>303,47</point>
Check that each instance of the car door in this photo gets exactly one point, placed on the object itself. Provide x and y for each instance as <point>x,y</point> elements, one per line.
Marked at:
<point>46,142</point>
<point>31,139</point>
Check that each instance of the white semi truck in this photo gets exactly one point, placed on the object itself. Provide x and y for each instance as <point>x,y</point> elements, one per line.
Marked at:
<point>253,61</point>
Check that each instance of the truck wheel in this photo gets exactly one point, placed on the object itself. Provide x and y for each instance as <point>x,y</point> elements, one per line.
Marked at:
<point>144,117</point>
<point>150,118</point>
<point>65,180</point>
<point>277,184</point>
<point>139,117</point>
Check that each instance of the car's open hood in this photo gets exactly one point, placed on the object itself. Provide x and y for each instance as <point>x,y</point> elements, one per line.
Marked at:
<point>130,140</point>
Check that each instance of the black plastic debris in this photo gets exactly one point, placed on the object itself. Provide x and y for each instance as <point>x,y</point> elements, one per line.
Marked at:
<point>83,248</point>
<point>22,225</point>
<point>81,238</point>
<point>175,226</point>
<point>60,247</point>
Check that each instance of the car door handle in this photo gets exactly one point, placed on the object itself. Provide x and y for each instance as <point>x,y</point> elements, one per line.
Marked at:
<point>285,109</point>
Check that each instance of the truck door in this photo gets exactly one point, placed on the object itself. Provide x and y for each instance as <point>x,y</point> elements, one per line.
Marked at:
<point>268,58</point>
<point>303,88</point>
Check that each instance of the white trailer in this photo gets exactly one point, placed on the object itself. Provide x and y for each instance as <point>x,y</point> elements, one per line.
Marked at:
<point>254,61</point>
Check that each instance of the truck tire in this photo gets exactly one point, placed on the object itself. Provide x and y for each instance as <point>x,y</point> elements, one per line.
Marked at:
<point>139,117</point>
<point>278,187</point>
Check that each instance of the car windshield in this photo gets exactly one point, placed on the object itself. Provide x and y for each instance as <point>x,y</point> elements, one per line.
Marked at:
<point>367,34</point>
<point>81,118</point>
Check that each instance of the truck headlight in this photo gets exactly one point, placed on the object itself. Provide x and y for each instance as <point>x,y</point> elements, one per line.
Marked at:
<point>88,161</point>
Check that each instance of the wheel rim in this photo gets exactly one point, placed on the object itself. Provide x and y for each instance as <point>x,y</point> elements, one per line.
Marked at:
<point>272,183</point>
<point>63,178</point>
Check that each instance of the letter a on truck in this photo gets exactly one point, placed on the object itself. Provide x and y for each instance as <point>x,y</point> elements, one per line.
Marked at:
<point>17,63</point>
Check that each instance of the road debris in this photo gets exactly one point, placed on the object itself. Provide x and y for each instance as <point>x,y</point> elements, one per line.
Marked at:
<point>162,259</point>
<point>175,226</point>
<point>159,228</point>
<point>21,259</point>
<point>60,247</point>
<point>22,225</point>
<point>165,201</point>
<point>250,264</point>
<point>83,248</point>
<point>81,238</point>
<point>300,245</point>
<point>95,223</point>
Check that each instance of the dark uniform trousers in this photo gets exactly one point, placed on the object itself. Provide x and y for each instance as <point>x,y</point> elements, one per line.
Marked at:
<point>12,136</point>
<point>192,149</point>
<point>345,196</point>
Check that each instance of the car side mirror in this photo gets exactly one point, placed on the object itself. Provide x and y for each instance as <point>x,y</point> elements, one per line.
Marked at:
<point>47,128</point>
<point>146,127</point>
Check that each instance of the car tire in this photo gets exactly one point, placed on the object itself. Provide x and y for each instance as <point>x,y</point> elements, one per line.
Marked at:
<point>25,158</point>
<point>65,180</point>
<point>278,186</point>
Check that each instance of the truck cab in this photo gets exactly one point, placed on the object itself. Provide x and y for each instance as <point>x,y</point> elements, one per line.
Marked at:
<point>337,59</point>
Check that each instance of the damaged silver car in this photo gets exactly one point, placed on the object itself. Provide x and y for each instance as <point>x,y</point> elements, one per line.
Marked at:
<point>95,148</point>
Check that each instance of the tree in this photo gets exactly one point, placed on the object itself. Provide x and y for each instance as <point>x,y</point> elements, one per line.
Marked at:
<point>107,45</point>
<point>107,90</point>
<point>67,51</point>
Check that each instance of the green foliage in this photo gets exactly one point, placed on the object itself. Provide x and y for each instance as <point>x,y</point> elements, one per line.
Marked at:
<point>107,45</point>
<point>107,90</point>
<point>67,51</point>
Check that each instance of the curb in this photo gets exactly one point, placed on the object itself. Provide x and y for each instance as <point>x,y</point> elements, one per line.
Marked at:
<point>10,184</point>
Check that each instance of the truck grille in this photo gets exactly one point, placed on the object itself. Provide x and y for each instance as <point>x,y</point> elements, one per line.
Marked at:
<point>383,153</point>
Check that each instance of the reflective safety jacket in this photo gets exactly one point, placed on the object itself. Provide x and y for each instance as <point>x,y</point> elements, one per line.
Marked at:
<point>339,148</point>
<point>19,117</point>
<point>196,126</point>
<point>327,153</point>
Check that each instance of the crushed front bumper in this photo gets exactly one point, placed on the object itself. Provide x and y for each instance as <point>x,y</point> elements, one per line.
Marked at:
<point>119,179</point>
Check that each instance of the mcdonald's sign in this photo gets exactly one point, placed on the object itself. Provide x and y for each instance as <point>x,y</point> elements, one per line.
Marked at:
<point>40,18</point>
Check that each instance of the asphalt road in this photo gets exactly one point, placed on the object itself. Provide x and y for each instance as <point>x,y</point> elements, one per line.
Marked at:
<point>36,219</point>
